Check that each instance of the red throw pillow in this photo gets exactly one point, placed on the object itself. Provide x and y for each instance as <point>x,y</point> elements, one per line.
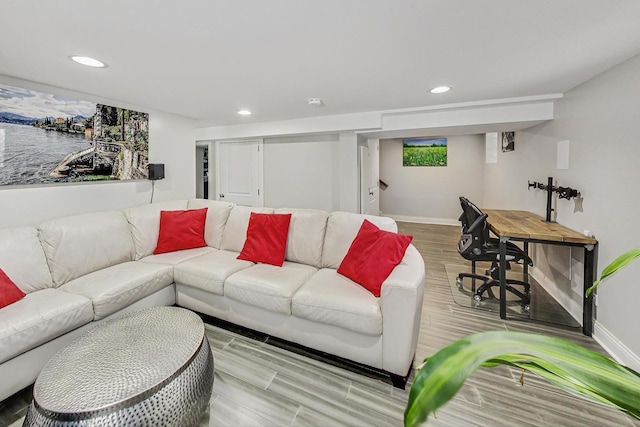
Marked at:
<point>266,238</point>
<point>9,292</point>
<point>372,256</point>
<point>181,230</point>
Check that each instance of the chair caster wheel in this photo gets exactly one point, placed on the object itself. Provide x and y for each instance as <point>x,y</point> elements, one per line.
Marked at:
<point>477,298</point>
<point>526,308</point>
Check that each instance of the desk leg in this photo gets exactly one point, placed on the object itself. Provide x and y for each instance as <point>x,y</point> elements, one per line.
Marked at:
<point>525,268</point>
<point>503,277</point>
<point>590,274</point>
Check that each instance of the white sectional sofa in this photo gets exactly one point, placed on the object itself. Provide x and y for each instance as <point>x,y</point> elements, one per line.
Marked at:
<point>79,270</point>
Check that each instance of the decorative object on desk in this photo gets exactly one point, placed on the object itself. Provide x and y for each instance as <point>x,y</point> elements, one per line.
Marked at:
<point>424,152</point>
<point>574,369</point>
<point>46,138</point>
<point>563,193</point>
<point>508,141</point>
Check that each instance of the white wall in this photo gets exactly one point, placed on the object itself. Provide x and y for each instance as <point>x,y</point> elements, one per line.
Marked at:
<point>600,119</point>
<point>171,141</point>
<point>431,193</point>
<point>348,173</point>
<point>300,172</point>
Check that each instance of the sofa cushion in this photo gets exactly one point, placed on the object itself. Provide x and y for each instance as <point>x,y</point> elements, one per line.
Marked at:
<point>217,216</point>
<point>342,228</point>
<point>182,229</point>
<point>117,287</point>
<point>9,292</point>
<point>174,258</point>
<point>40,317</point>
<point>144,223</point>
<point>328,297</point>
<point>306,235</point>
<point>22,258</point>
<point>267,286</point>
<point>266,238</point>
<point>209,271</point>
<point>372,256</point>
<point>81,244</point>
<point>235,231</point>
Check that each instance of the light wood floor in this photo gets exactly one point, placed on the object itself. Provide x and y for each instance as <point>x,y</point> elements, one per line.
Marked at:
<point>258,384</point>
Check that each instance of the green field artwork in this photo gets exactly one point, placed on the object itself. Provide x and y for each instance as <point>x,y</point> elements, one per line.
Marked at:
<point>424,152</point>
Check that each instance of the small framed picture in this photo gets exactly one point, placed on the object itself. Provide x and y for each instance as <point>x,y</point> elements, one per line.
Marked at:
<point>508,140</point>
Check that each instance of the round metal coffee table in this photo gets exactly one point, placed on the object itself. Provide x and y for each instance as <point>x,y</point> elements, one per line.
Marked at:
<point>153,367</point>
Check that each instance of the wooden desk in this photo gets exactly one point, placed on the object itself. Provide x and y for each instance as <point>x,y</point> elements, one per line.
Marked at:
<point>530,228</point>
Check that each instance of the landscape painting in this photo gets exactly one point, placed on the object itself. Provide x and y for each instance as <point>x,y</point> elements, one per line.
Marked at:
<point>424,152</point>
<point>46,138</point>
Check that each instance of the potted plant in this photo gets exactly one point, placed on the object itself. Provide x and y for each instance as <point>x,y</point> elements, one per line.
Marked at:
<point>571,367</point>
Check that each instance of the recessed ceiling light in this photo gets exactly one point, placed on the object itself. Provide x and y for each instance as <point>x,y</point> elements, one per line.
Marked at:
<point>244,112</point>
<point>440,89</point>
<point>90,62</point>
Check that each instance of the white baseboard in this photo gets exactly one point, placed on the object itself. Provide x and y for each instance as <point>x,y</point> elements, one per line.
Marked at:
<point>616,349</point>
<point>573,307</point>
<point>422,220</point>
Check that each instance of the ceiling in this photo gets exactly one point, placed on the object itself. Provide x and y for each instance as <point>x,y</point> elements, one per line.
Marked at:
<point>207,59</point>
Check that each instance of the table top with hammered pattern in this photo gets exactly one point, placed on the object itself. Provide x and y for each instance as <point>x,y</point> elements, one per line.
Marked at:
<point>119,359</point>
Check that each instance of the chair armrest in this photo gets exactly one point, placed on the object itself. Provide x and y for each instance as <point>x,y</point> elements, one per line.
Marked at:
<point>401,304</point>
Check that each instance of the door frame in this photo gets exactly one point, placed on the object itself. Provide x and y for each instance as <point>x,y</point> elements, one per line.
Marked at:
<point>368,194</point>
<point>260,143</point>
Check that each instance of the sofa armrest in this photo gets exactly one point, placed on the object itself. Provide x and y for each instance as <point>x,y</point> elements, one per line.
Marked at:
<point>401,304</point>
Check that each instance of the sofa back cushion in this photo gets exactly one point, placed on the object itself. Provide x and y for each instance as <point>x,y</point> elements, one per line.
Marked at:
<point>306,235</point>
<point>217,216</point>
<point>81,244</point>
<point>23,260</point>
<point>235,231</point>
<point>144,223</point>
<point>342,228</point>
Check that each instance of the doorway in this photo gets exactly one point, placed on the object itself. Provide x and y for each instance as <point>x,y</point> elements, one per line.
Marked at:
<point>239,172</point>
<point>202,171</point>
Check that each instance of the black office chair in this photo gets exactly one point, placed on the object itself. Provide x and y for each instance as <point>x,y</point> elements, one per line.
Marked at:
<point>476,245</point>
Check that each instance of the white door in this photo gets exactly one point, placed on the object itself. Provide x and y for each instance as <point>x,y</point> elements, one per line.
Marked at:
<point>239,172</point>
<point>368,186</point>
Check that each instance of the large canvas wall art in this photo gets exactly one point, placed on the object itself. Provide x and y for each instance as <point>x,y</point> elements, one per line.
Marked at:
<point>47,138</point>
<point>424,152</point>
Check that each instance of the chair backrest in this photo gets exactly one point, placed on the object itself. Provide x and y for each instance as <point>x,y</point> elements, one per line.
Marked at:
<point>475,230</point>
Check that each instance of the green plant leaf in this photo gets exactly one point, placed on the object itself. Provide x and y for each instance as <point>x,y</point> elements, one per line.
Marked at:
<point>569,366</point>
<point>616,265</point>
